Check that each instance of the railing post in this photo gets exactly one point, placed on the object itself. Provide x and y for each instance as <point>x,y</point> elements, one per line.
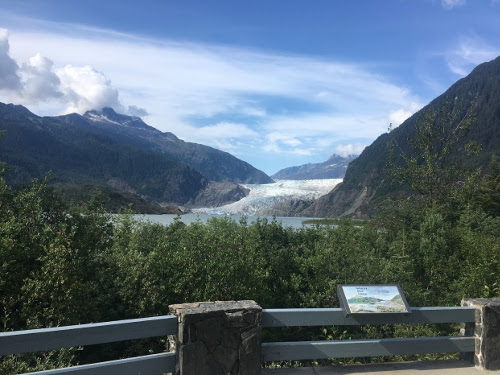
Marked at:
<point>486,331</point>
<point>215,338</point>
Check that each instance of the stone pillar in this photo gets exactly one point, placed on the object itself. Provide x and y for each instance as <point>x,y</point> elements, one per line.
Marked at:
<point>486,331</point>
<point>222,337</point>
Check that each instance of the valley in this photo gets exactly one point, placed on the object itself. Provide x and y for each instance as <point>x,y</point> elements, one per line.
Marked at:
<point>140,165</point>
<point>291,155</point>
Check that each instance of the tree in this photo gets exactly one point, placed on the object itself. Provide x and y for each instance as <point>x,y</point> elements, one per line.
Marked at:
<point>489,194</point>
<point>430,164</point>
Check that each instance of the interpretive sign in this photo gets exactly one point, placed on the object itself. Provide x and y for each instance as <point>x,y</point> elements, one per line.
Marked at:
<point>369,299</point>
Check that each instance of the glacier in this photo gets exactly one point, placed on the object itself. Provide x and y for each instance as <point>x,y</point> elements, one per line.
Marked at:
<point>265,196</point>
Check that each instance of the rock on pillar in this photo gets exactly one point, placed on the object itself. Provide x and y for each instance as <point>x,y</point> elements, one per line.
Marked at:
<point>222,337</point>
<point>486,331</point>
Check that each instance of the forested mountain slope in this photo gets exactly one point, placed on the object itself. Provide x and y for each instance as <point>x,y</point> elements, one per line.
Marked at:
<point>122,152</point>
<point>213,164</point>
<point>32,146</point>
<point>475,98</point>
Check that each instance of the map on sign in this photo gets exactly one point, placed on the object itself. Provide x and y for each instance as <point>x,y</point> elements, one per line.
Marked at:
<point>367,299</point>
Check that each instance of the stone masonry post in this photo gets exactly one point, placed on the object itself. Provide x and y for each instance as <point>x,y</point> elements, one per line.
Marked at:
<point>215,338</point>
<point>486,331</point>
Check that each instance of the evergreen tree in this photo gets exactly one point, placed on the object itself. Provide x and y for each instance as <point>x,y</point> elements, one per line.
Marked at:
<point>489,194</point>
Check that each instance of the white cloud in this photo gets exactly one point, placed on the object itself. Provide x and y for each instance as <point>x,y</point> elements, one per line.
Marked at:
<point>9,78</point>
<point>283,143</point>
<point>450,4</point>
<point>397,117</point>
<point>41,83</point>
<point>134,110</point>
<point>84,88</point>
<point>75,89</point>
<point>253,111</point>
<point>255,101</point>
<point>346,150</point>
<point>470,52</point>
<point>318,129</point>
<point>224,130</point>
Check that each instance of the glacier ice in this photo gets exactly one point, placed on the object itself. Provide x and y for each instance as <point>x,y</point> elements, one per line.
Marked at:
<point>265,196</point>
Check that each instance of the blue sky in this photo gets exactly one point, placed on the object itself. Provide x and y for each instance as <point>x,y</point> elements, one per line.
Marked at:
<point>276,83</point>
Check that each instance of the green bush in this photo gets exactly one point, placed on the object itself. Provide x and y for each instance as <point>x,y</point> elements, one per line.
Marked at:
<point>64,265</point>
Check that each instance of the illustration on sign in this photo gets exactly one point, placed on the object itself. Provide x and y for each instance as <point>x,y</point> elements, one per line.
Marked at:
<point>373,299</point>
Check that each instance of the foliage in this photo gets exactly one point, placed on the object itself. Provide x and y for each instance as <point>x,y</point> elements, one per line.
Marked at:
<point>430,162</point>
<point>471,104</point>
<point>68,264</point>
<point>443,225</point>
<point>358,223</point>
<point>489,194</point>
<point>113,201</point>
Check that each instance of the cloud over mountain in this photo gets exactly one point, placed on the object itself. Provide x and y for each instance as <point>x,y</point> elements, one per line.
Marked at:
<point>85,88</point>
<point>252,103</point>
<point>41,83</point>
<point>76,88</point>
<point>9,77</point>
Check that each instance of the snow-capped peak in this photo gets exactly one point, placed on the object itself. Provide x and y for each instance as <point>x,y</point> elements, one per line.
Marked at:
<point>108,115</point>
<point>93,116</point>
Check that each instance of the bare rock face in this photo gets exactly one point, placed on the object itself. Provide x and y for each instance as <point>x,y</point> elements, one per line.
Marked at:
<point>342,203</point>
<point>217,194</point>
<point>294,207</point>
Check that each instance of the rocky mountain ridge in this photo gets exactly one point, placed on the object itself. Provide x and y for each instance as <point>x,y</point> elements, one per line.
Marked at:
<point>334,167</point>
<point>366,182</point>
<point>213,164</point>
<point>103,148</point>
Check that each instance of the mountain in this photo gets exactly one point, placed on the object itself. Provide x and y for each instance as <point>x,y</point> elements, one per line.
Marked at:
<point>107,149</point>
<point>334,167</point>
<point>366,181</point>
<point>33,146</point>
<point>213,164</point>
<point>113,200</point>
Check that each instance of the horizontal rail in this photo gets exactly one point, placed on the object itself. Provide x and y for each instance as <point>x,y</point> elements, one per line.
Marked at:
<point>278,351</point>
<point>34,340</point>
<point>330,316</point>
<point>145,365</point>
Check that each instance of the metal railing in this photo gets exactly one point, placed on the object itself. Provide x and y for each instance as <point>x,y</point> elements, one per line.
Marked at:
<point>100,333</point>
<point>97,333</point>
<point>276,351</point>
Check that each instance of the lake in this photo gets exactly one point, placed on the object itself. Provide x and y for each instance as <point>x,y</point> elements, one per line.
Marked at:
<point>294,222</point>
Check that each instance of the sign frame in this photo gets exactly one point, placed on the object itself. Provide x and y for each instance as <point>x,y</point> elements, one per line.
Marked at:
<point>393,290</point>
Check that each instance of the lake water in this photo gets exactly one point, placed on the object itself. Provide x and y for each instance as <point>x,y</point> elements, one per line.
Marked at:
<point>294,222</point>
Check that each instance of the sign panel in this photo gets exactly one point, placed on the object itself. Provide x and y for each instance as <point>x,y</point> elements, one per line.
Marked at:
<point>369,299</point>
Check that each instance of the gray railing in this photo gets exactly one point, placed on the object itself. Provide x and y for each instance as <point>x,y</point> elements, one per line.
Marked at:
<point>99,333</point>
<point>276,351</point>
